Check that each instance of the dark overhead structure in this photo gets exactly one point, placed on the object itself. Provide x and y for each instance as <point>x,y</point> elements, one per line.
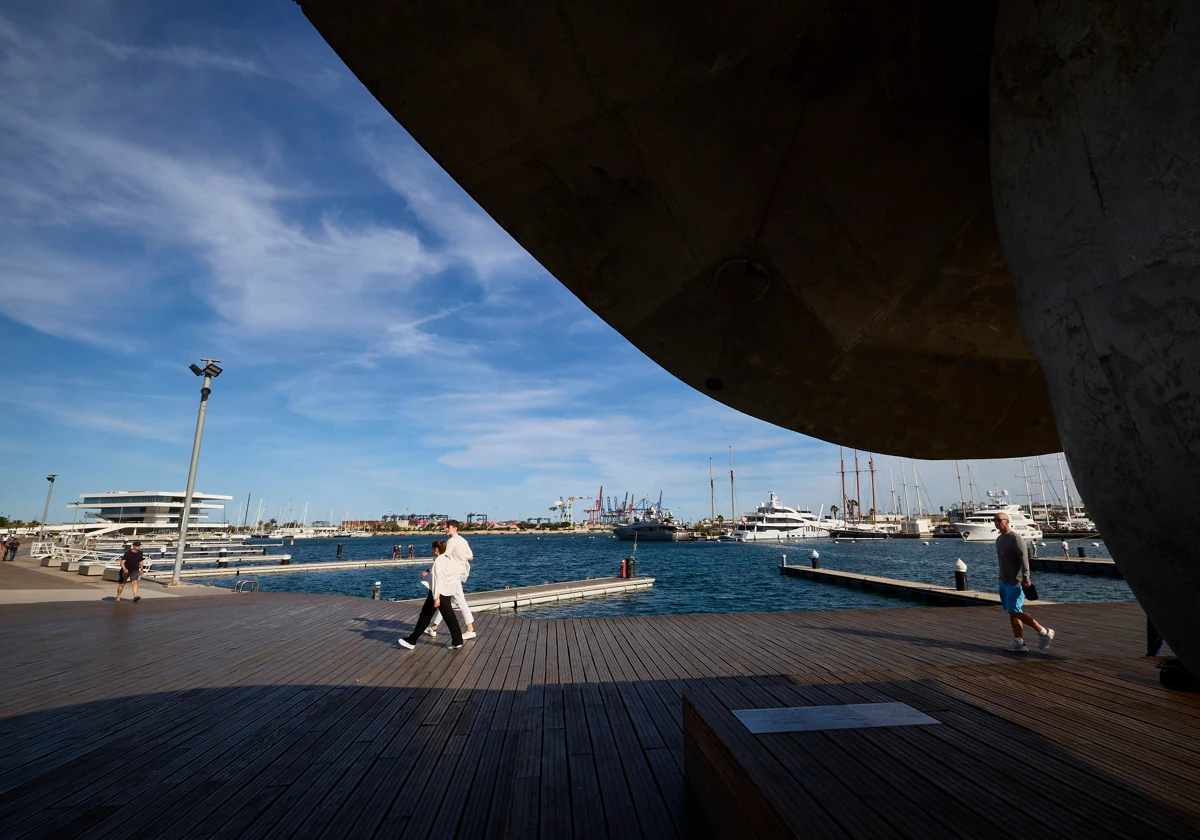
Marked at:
<point>935,229</point>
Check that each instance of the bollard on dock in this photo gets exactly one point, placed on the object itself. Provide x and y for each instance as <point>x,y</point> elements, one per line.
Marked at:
<point>339,551</point>
<point>960,575</point>
<point>375,590</point>
<point>1082,551</point>
<point>815,559</point>
<point>783,562</point>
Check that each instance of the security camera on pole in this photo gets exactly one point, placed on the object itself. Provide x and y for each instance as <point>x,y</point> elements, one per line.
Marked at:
<point>209,372</point>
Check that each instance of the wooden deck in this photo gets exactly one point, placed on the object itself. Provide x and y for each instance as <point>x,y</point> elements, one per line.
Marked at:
<point>297,716</point>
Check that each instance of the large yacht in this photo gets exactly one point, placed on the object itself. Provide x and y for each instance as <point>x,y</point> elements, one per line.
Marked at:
<point>655,525</point>
<point>978,526</point>
<point>775,521</point>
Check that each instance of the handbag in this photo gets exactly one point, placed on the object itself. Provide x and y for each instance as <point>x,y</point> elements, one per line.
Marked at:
<point>1030,592</point>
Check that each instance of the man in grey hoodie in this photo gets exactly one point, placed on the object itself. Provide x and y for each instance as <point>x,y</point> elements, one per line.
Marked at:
<point>1014,575</point>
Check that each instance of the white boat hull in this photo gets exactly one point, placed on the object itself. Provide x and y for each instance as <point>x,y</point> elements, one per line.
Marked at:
<point>805,533</point>
<point>988,533</point>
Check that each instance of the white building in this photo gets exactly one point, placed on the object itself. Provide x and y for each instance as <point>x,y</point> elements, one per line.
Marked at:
<point>147,511</point>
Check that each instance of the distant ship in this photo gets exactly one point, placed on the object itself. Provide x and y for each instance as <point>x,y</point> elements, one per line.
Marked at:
<point>776,521</point>
<point>655,525</point>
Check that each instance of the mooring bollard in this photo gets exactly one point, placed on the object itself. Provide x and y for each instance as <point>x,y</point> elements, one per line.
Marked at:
<point>783,562</point>
<point>285,561</point>
<point>1082,551</point>
<point>375,590</point>
<point>960,575</point>
<point>339,554</point>
<point>815,558</point>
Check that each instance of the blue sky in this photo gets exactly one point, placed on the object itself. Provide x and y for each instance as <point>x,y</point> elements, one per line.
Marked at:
<point>188,179</point>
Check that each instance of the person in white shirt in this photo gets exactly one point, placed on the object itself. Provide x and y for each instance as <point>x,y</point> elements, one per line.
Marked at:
<point>443,583</point>
<point>460,553</point>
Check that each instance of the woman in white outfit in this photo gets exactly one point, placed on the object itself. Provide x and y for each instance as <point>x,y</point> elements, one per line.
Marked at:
<point>456,550</point>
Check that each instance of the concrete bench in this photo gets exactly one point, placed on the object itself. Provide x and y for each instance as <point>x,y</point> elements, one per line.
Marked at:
<point>69,564</point>
<point>92,568</point>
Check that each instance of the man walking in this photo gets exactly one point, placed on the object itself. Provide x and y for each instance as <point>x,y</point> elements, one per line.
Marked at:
<point>1014,575</point>
<point>460,553</point>
<point>131,570</point>
<point>1066,549</point>
<point>12,545</point>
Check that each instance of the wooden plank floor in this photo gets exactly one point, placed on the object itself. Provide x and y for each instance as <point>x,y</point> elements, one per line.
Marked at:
<point>298,716</point>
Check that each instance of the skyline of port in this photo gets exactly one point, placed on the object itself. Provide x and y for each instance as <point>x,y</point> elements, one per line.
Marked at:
<point>189,181</point>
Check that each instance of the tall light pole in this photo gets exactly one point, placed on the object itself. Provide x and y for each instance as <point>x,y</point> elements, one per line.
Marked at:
<point>46,509</point>
<point>209,371</point>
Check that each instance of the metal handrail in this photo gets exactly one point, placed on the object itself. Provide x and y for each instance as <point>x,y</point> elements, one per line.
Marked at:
<point>246,585</point>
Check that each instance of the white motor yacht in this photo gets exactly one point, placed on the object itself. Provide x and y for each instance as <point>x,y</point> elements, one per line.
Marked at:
<point>978,526</point>
<point>776,521</point>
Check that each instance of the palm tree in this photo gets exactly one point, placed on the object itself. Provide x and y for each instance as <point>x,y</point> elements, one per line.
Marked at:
<point>833,511</point>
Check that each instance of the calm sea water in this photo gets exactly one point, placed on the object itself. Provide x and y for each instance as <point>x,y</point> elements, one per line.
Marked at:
<point>700,577</point>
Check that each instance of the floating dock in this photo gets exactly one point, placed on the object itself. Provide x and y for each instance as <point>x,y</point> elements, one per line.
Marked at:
<point>549,593</point>
<point>925,593</point>
<point>1093,566</point>
<point>260,568</point>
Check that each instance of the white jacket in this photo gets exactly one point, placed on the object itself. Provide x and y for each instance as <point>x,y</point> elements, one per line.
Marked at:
<point>444,579</point>
<point>458,551</point>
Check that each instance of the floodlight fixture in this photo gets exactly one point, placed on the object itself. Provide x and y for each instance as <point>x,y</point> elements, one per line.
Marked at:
<point>209,371</point>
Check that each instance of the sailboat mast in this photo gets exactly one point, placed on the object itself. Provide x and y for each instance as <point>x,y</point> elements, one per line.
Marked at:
<point>871,463</point>
<point>857,491</point>
<point>842,468</point>
<point>1066,492</point>
<point>917,490</point>
<point>1028,494</point>
<point>962,503</point>
<point>732,494</point>
<point>904,485</point>
<point>712,492</point>
<point>971,486</point>
<point>1037,462</point>
<point>892,485</point>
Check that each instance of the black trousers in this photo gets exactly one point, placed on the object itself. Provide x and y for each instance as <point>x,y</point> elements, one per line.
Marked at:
<point>448,616</point>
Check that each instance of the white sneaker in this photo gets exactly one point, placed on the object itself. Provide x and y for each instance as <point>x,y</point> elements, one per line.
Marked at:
<point>468,634</point>
<point>1044,638</point>
<point>1017,646</point>
<point>454,647</point>
<point>407,645</point>
<point>431,631</point>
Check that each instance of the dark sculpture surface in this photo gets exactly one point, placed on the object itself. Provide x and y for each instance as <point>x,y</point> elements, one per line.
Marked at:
<point>798,208</point>
<point>786,205</point>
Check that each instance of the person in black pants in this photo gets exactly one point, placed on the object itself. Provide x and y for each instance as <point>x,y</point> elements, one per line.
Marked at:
<point>443,582</point>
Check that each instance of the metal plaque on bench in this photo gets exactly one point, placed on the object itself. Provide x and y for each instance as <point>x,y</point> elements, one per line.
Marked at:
<point>812,718</point>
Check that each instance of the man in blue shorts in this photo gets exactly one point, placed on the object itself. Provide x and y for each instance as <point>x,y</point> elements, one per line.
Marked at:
<point>1014,574</point>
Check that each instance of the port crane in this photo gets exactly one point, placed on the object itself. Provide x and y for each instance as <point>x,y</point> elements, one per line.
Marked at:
<point>563,508</point>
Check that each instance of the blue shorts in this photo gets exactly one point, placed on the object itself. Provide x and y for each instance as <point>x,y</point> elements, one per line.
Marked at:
<point>1011,597</point>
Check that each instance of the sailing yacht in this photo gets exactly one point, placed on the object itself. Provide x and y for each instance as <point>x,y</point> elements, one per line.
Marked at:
<point>978,526</point>
<point>776,521</point>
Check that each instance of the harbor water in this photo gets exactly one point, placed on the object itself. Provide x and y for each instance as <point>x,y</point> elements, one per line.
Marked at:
<point>691,577</point>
